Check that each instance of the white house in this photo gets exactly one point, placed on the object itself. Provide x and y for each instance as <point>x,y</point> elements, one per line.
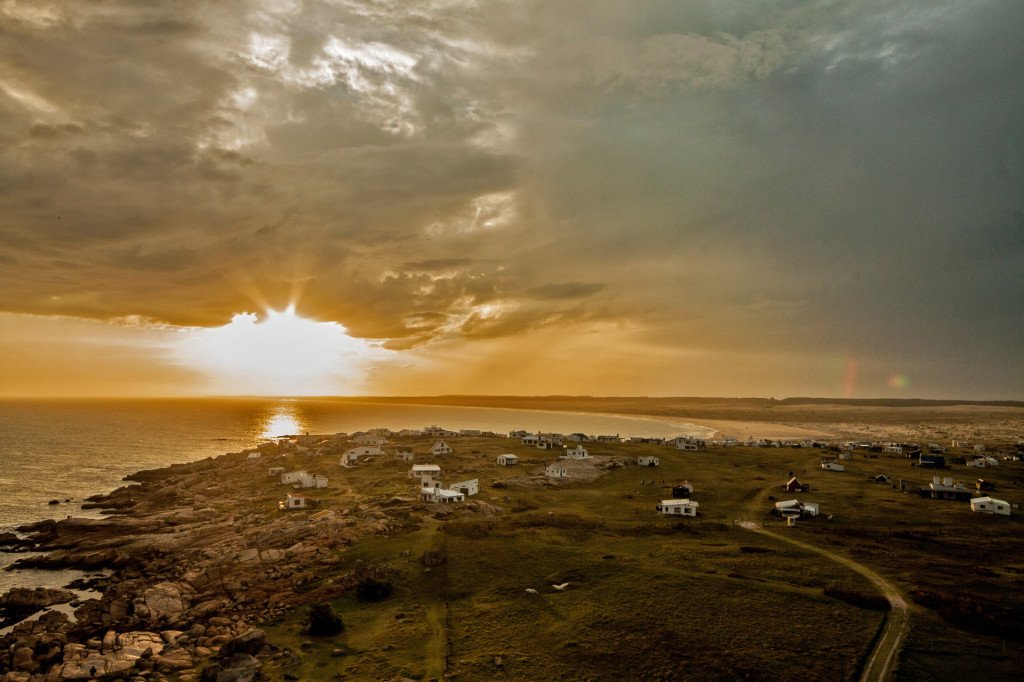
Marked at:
<point>365,451</point>
<point>467,488</point>
<point>404,454</point>
<point>441,496</point>
<point>557,470</point>
<point>990,505</point>
<point>508,460</point>
<point>313,481</point>
<point>293,476</point>
<point>530,439</point>
<point>797,508</point>
<point>578,452</point>
<point>275,471</point>
<point>441,448</point>
<point>369,439</point>
<point>648,461</point>
<point>608,439</point>
<point>294,501</point>
<point>678,507</point>
<point>689,444</point>
<point>578,437</point>
<point>437,494</point>
<point>893,449</point>
<point>421,471</point>
<point>832,466</point>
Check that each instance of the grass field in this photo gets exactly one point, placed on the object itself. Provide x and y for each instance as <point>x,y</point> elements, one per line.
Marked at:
<point>652,597</point>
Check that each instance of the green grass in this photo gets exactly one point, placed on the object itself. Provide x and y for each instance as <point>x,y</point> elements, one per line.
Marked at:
<point>654,597</point>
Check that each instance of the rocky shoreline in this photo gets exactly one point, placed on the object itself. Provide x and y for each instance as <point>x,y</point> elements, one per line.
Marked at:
<point>195,559</point>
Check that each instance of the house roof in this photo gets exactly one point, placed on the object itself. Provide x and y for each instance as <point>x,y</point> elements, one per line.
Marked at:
<point>426,467</point>
<point>679,503</point>
<point>987,499</point>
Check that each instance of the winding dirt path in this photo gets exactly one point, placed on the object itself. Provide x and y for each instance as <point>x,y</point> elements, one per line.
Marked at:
<point>879,664</point>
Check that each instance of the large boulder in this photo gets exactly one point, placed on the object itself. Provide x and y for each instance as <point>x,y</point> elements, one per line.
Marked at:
<point>251,643</point>
<point>23,659</point>
<point>238,668</point>
<point>165,599</point>
<point>35,599</point>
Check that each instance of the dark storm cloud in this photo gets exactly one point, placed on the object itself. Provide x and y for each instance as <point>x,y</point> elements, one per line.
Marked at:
<point>472,169</point>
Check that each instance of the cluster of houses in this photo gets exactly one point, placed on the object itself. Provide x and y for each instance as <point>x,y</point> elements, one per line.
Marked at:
<point>574,461</point>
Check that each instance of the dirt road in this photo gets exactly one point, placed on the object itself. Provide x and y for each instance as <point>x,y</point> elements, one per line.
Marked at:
<point>897,624</point>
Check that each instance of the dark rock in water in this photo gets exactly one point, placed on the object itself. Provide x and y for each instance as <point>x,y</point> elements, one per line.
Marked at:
<point>40,597</point>
<point>249,643</point>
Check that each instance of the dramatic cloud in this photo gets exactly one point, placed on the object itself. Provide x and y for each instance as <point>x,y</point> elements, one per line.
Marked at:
<point>768,185</point>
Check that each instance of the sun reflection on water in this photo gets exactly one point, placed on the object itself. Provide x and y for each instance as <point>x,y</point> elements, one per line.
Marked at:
<point>283,420</point>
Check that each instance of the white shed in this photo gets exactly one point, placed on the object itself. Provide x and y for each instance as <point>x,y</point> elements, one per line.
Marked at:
<point>441,448</point>
<point>578,452</point>
<point>424,470</point>
<point>990,505</point>
<point>293,476</point>
<point>508,460</point>
<point>832,466</point>
<point>468,487</point>
<point>441,496</point>
<point>648,461</point>
<point>294,501</point>
<point>678,507</point>
<point>557,470</point>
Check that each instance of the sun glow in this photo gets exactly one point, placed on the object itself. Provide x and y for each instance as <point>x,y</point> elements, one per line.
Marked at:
<point>280,354</point>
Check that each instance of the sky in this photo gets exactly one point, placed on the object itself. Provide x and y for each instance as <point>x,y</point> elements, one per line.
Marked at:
<point>598,197</point>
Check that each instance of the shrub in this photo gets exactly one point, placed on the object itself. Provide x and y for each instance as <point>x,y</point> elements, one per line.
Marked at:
<point>323,620</point>
<point>371,589</point>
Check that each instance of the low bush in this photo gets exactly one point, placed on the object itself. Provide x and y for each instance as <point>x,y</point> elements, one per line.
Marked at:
<point>323,621</point>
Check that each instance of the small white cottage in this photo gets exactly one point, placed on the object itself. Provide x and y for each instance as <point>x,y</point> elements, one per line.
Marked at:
<point>648,461</point>
<point>508,460</point>
<point>990,505</point>
<point>293,476</point>
<point>295,501</point>
<point>467,488</point>
<point>578,452</point>
<point>441,448</point>
<point>441,496</point>
<point>678,507</point>
<point>832,466</point>
<point>422,471</point>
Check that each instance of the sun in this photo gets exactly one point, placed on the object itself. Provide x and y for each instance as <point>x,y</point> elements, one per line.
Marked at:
<point>279,353</point>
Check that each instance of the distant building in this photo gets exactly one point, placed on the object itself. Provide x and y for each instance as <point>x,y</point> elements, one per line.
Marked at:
<point>508,460</point>
<point>832,465</point>
<point>648,461</point>
<point>468,487</point>
<point>441,448</point>
<point>424,470</point>
<point>990,505</point>
<point>294,501</point>
<point>578,452</point>
<point>678,507</point>
<point>795,486</point>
